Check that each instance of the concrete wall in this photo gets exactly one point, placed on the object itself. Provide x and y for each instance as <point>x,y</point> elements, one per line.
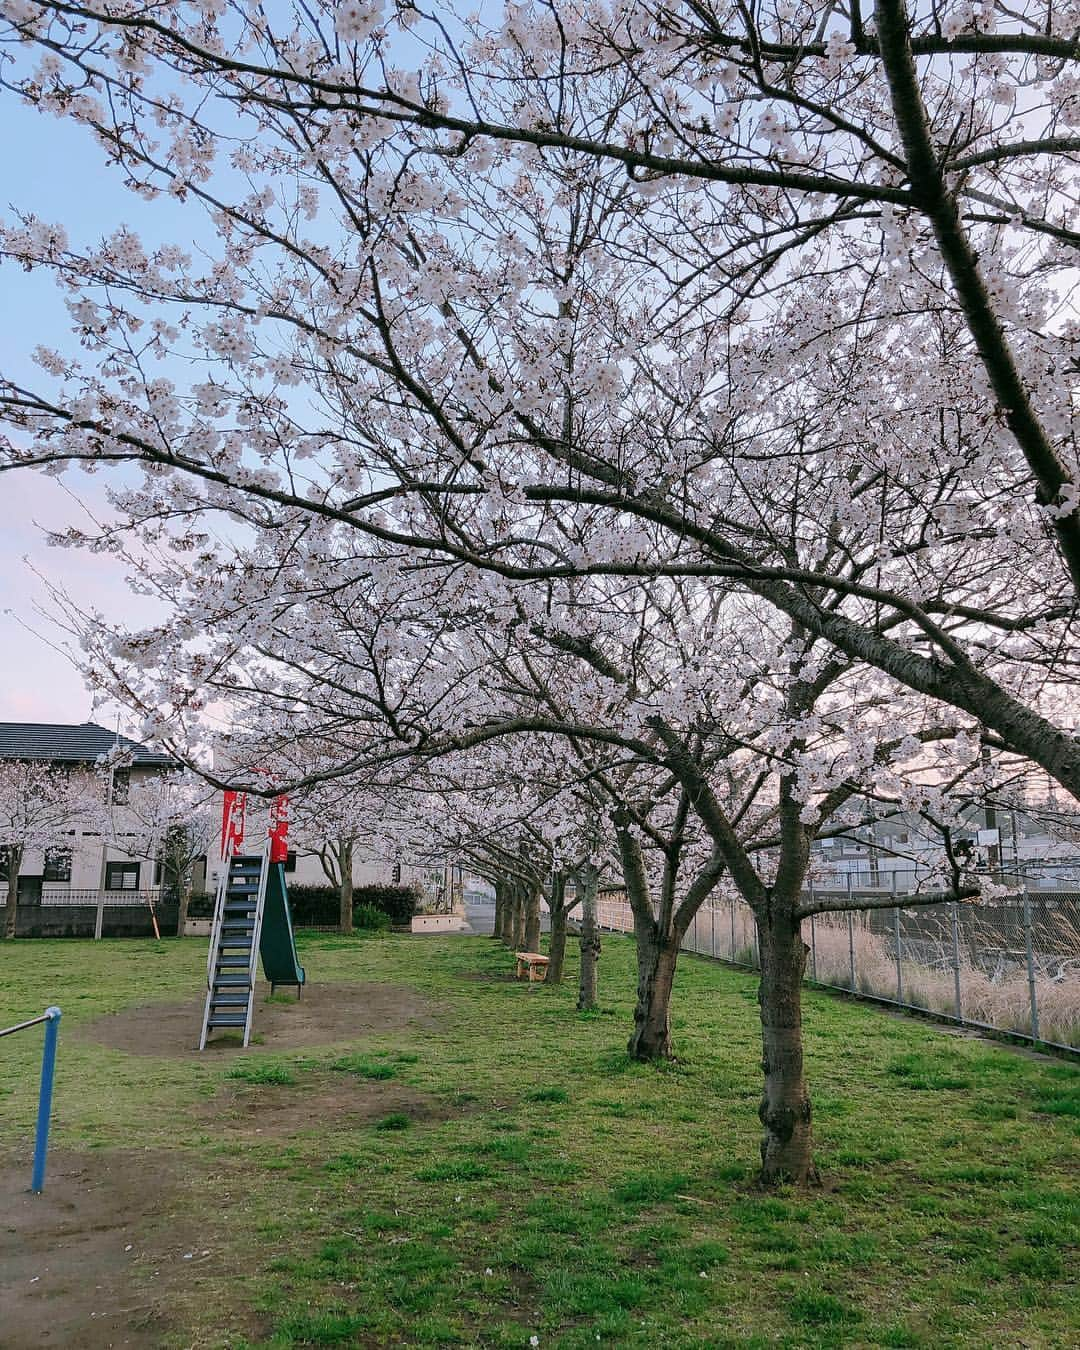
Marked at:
<point>58,921</point>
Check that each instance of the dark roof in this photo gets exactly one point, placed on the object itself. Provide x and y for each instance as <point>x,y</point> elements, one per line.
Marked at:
<point>82,744</point>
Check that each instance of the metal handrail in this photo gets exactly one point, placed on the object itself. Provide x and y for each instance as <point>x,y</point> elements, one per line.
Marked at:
<point>51,1017</point>
<point>21,1026</point>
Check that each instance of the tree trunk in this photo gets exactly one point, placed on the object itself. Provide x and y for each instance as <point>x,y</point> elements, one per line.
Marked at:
<point>14,862</point>
<point>345,887</point>
<point>345,910</point>
<point>590,944</point>
<point>517,916</point>
<point>657,956</point>
<point>787,1144</point>
<point>185,904</point>
<point>500,911</point>
<point>557,944</point>
<point>531,936</point>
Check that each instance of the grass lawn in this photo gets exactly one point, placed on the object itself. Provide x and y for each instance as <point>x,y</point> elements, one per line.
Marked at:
<point>479,1164</point>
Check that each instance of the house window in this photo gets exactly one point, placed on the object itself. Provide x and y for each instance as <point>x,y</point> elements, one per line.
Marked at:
<point>121,787</point>
<point>57,864</point>
<point>290,861</point>
<point>122,876</point>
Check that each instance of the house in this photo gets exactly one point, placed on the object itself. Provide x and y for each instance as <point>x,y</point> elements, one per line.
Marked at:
<point>88,854</point>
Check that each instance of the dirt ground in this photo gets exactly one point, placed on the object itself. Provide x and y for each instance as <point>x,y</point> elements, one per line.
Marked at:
<point>109,1254</point>
<point>97,1259</point>
<point>325,1015</point>
<point>272,1112</point>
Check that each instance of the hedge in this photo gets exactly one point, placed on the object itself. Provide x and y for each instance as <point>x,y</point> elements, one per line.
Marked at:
<point>320,906</point>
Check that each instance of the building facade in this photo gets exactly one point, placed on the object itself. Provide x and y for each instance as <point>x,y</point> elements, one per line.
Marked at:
<point>103,849</point>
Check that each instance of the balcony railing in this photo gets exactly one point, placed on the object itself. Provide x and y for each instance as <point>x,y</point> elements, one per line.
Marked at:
<point>60,895</point>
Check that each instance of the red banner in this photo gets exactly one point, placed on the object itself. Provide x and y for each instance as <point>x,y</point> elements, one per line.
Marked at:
<point>232,823</point>
<point>279,829</point>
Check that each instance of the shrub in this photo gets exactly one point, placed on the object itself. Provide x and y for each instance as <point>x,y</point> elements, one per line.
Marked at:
<point>399,902</point>
<point>367,916</point>
<point>315,906</point>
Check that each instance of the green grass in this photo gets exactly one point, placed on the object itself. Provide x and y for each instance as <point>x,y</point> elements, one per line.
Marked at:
<point>263,1073</point>
<point>547,1185</point>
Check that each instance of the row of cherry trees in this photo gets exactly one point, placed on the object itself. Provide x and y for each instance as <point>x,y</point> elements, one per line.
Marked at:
<point>673,398</point>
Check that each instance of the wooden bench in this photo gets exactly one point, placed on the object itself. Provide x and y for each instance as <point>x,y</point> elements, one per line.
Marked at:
<point>534,963</point>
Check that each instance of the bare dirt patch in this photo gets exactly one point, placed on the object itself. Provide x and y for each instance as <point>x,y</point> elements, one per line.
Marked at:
<point>339,1100</point>
<point>327,1014</point>
<point>104,1257</point>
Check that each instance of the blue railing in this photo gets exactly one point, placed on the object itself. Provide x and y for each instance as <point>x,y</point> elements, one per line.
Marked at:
<point>51,1018</point>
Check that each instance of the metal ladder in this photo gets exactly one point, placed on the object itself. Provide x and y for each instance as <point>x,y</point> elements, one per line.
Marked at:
<point>234,945</point>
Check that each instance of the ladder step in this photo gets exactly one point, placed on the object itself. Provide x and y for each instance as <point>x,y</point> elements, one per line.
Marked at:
<point>238,918</point>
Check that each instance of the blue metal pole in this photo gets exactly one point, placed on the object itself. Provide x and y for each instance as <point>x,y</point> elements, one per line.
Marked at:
<point>48,1068</point>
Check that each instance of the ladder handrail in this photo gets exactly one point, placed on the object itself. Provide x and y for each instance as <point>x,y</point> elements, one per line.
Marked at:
<point>220,904</point>
<point>256,936</point>
<point>219,917</point>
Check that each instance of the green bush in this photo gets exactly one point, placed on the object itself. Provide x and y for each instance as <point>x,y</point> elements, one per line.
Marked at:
<point>367,916</point>
<point>399,902</point>
<point>315,906</point>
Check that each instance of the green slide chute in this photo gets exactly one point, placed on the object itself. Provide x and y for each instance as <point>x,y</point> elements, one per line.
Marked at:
<point>277,946</point>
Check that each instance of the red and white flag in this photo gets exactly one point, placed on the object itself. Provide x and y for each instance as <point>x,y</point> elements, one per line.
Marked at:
<point>232,823</point>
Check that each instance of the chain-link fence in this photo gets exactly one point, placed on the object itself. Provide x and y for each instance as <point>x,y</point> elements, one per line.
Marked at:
<point>1010,964</point>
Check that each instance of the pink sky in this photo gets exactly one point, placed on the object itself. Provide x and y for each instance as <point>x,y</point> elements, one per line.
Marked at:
<point>38,683</point>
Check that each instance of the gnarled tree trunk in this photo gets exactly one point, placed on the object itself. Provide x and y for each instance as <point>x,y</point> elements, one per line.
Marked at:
<point>657,955</point>
<point>785,1113</point>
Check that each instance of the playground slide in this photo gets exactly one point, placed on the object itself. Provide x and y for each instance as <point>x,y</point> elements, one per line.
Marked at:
<point>276,944</point>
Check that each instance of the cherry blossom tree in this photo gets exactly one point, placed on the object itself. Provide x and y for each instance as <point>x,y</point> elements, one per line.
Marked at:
<point>790,262</point>
<point>170,820</point>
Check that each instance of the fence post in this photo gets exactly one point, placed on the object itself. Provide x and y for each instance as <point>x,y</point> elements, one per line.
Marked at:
<point>896,941</point>
<point>813,949</point>
<point>813,933</point>
<point>850,938</point>
<point>956,960</point>
<point>48,1069</point>
<point>712,930</point>
<point>1029,948</point>
<point>733,928</point>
